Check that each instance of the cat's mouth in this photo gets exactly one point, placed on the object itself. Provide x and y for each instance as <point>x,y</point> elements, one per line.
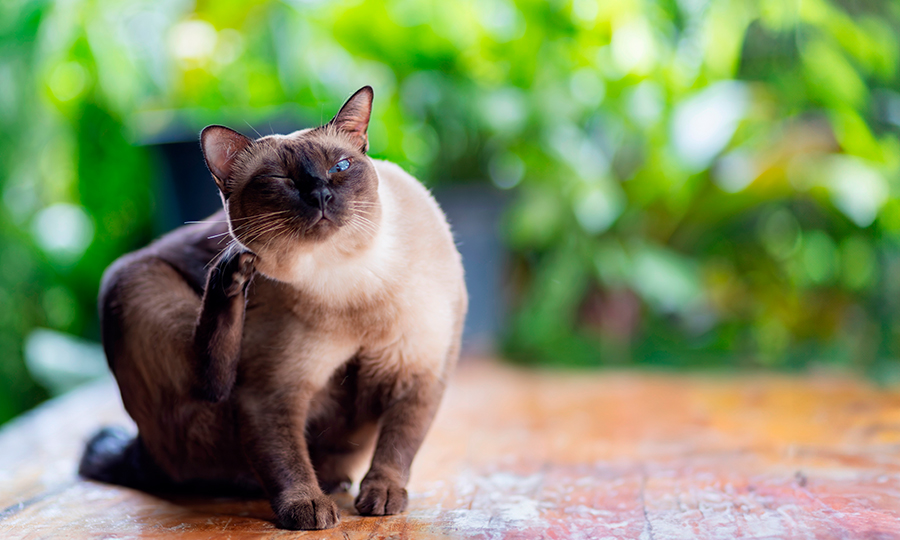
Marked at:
<point>322,219</point>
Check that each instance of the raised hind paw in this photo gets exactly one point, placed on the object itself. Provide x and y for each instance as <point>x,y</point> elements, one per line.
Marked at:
<point>236,272</point>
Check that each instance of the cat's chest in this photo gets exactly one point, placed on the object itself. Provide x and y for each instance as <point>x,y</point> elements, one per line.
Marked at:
<point>278,312</point>
<point>340,280</point>
<point>304,341</point>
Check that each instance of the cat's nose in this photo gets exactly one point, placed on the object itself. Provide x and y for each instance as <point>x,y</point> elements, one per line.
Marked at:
<point>322,195</point>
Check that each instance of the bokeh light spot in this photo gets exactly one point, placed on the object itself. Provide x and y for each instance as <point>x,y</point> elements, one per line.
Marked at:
<point>703,125</point>
<point>634,47</point>
<point>193,40</point>
<point>64,231</point>
<point>780,233</point>
<point>67,81</point>
<point>506,170</point>
<point>599,208</point>
<point>819,256</point>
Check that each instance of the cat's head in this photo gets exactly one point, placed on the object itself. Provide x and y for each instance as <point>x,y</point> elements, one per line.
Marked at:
<point>287,193</point>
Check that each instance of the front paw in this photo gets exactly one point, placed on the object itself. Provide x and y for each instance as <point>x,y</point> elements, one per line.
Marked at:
<point>306,513</point>
<point>380,498</point>
<point>236,273</point>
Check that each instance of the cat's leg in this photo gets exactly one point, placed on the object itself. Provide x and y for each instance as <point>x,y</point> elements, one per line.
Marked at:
<point>220,325</point>
<point>150,324</point>
<point>403,426</point>
<point>272,431</point>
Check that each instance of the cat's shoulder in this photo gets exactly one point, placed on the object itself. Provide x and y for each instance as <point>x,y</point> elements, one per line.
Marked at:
<point>396,175</point>
<point>389,168</point>
<point>404,187</point>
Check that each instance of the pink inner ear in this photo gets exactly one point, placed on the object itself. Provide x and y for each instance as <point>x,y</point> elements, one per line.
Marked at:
<point>353,118</point>
<point>356,127</point>
<point>220,146</point>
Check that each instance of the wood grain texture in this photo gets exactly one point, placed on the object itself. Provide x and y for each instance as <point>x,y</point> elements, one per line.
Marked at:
<point>520,454</point>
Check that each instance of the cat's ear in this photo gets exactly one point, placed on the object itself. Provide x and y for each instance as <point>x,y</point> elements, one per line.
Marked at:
<point>220,146</point>
<point>353,118</point>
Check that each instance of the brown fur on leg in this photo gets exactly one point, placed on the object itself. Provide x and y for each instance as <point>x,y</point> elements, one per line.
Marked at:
<point>148,312</point>
<point>403,427</point>
<point>220,325</point>
<point>272,427</point>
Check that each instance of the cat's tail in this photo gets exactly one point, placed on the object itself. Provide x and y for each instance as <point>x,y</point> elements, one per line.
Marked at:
<point>114,456</point>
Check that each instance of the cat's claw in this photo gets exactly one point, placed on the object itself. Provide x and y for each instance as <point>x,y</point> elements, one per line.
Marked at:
<point>380,498</point>
<point>307,513</point>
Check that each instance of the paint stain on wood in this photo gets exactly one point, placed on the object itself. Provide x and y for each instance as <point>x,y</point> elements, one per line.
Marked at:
<point>517,454</point>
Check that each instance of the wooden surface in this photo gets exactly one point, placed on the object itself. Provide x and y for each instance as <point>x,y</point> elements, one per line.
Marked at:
<point>519,454</point>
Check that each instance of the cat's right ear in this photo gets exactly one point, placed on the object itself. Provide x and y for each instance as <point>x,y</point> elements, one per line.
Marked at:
<point>220,146</point>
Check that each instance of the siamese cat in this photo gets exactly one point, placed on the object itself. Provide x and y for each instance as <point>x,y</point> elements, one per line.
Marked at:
<point>322,334</point>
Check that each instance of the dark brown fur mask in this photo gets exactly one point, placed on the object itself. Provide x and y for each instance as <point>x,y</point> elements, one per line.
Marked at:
<point>288,193</point>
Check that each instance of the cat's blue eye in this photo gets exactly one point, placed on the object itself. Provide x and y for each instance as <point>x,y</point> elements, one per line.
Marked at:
<point>340,166</point>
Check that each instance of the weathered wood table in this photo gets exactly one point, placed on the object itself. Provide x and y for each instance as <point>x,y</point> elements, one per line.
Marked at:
<point>522,454</point>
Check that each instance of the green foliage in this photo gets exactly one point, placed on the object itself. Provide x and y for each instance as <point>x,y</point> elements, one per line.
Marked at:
<point>694,182</point>
<point>743,205</point>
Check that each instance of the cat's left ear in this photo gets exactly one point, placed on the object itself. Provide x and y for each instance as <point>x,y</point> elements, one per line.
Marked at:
<point>353,118</point>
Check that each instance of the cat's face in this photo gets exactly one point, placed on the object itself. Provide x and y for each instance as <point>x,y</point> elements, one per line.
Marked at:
<point>284,193</point>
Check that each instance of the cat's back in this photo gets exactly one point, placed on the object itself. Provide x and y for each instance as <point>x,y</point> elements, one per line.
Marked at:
<point>187,250</point>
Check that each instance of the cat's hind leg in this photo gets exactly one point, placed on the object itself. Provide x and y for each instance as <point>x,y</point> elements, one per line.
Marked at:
<point>150,318</point>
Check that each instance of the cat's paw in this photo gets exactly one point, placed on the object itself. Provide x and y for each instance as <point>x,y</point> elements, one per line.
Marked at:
<point>307,513</point>
<point>236,273</point>
<point>380,498</point>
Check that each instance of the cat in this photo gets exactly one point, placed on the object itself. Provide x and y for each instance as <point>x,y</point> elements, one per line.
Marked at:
<point>321,335</point>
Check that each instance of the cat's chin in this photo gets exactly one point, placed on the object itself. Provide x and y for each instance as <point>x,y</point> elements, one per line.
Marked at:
<point>322,233</point>
<point>320,229</point>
